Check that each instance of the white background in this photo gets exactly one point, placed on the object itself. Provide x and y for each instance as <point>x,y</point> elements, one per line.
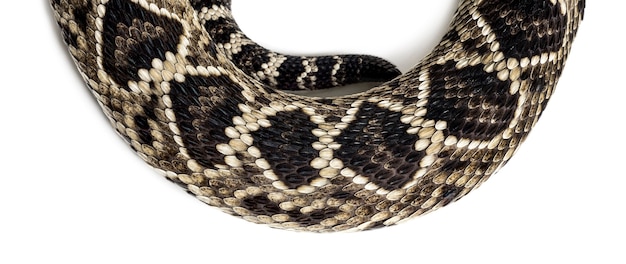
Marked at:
<point>72,192</point>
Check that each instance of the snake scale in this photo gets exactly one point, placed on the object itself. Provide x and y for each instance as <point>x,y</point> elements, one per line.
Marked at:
<point>207,108</point>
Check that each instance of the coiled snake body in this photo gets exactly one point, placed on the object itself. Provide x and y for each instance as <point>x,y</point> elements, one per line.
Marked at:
<point>202,103</point>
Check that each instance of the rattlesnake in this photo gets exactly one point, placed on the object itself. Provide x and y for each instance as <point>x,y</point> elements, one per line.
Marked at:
<point>204,105</point>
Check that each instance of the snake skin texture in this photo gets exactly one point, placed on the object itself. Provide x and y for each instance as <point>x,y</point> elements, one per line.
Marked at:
<point>207,120</point>
<point>281,71</point>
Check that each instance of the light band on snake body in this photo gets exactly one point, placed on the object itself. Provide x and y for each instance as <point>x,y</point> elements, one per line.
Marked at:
<point>217,125</point>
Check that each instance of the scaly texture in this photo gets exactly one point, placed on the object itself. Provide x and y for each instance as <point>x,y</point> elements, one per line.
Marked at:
<point>282,71</point>
<point>356,162</point>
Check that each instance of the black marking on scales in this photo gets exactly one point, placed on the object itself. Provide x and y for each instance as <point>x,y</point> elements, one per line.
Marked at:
<point>203,112</point>
<point>287,146</point>
<point>525,28</point>
<point>475,104</point>
<point>127,23</point>
<point>80,13</point>
<point>261,205</point>
<point>376,145</point>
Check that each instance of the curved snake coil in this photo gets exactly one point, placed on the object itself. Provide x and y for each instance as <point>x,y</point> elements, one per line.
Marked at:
<point>201,103</point>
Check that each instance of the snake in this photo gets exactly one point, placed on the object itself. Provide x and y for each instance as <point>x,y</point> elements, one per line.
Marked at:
<point>215,113</point>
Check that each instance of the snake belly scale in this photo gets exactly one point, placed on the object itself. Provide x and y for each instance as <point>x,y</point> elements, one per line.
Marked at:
<point>206,107</point>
